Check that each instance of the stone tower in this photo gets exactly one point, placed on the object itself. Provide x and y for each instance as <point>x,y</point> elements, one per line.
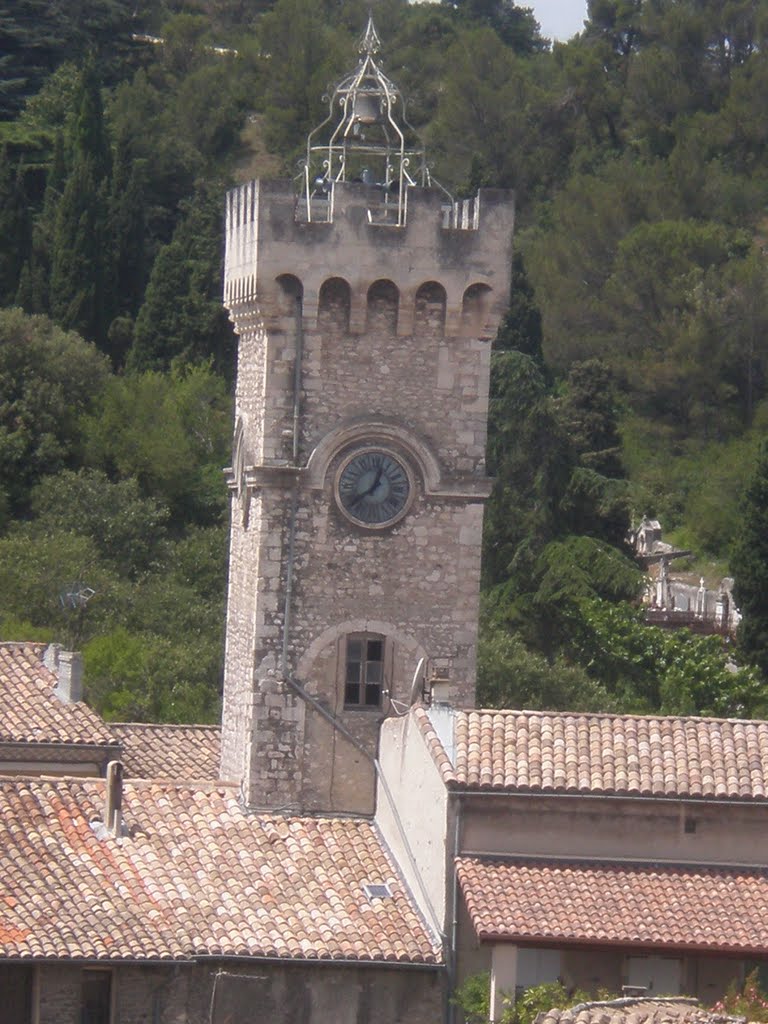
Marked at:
<point>365,307</point>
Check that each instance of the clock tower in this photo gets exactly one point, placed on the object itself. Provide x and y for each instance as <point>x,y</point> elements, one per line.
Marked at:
<point>365,301</point>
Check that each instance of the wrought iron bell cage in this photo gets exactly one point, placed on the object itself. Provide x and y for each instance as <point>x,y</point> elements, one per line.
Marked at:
<point>365,138</point>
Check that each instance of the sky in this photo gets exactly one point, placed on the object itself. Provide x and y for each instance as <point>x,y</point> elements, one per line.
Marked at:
<point>559,19</point>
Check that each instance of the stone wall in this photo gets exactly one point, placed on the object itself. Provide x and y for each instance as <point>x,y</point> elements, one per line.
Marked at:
<point>391,328</point>
<point>261,993</point>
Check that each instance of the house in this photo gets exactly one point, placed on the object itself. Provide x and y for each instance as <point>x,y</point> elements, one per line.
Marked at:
<point>607,851</point>
<point>160,897</point>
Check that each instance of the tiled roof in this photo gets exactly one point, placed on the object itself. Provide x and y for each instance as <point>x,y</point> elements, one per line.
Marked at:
<point>632,905</point>
<point>180,752</point>
<point>192,875</point>
<point>30,712</point>
<point>637,1011</point>
<point>561,752</point>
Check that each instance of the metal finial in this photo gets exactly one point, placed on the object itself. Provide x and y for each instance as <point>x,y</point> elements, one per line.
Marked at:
<point>369,41</point>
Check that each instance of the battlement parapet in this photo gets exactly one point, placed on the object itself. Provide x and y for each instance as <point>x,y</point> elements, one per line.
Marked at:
<point>270,233</point>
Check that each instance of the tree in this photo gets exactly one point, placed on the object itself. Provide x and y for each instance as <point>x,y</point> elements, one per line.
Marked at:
<point>521,329</point>
<point>80,252</point>
<point>169,432</point>
<point>58,581</point>
<point>515,26</point>
<point>182,317</point>
<point>671,672</point>
<point>129,531</point>
<point>511,676</point>
<point>749,562</point>
<point>15,229</point>
<point>304,56</point>
<point>588,411</point>
<point>77,258</point>
<point>49,379</point>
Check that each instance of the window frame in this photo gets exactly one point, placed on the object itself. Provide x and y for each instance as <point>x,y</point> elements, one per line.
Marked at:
<point>362,682</point>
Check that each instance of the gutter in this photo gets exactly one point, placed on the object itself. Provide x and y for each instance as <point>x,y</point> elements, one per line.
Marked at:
<point>201,958</point>
<point>607,859</point>
<point>286,961</point>
<point>695,801</point>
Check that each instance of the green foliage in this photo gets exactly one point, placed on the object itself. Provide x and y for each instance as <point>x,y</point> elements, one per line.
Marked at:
<point>748,1001</point>
<point>473,998</point>
<point>148,678</point>
<point>672,672</point>
<point>509,675</point>
<point>49,379</point>
<point>182,317</point>
<point>171,433</point>
<point>750,565</point>
<point>36,37</point>
<point>128,530</point>
<point>15,229</point>
<point>38,568</point>
<point>631,370</point>
<point>305,53</point>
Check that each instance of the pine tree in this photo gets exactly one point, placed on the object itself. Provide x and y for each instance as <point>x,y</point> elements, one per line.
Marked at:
<point>749,564</point>
<point>521,329</point>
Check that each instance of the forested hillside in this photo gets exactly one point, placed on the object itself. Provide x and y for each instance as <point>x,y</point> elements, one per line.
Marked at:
<point>630,377</point>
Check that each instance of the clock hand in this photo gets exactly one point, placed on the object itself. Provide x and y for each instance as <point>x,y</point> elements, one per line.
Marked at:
<point>367,494</point>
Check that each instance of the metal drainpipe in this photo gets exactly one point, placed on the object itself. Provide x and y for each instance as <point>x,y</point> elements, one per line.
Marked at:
<point>299,335</point>
<point>452,1008</point>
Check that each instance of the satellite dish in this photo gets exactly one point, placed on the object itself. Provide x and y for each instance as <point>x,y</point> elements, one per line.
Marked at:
<point>417,686</point>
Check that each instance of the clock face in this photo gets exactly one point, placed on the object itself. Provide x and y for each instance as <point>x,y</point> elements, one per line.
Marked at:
<point>373,488</point>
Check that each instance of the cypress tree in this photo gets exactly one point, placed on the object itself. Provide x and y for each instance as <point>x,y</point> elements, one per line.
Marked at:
<point>89,136</point>
<point>33,293</point>
<point>76,285</point>
<point>80,255</point>
<point>14,227</point>
<point>127,230</point>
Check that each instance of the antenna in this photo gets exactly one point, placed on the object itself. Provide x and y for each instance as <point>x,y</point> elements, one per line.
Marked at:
<point>419,679</point>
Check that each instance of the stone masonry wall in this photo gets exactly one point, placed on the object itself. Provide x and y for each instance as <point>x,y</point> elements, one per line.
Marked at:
<point>255,991</point>
<point>394,328</point>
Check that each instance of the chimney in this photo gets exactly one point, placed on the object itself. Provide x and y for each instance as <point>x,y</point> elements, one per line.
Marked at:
<point>440,688</point>
<point>113,798</point>
<point>67,666</point>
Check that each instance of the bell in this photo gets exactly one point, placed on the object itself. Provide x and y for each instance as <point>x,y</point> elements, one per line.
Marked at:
<point>366,108</point>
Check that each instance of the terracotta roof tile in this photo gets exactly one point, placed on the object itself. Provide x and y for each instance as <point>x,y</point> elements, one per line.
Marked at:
<point>192,875</point>
<point>641,1010</point>
<point>562,752</point>
<point>169,751</point>
<point>631,905</point>
<point>434,745</point>
<point>30,712</point>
